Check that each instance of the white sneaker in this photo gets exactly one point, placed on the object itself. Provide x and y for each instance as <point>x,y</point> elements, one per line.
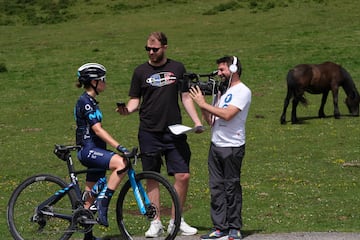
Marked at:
<point>170,226</point>
<point>185,229</point>
<point>155,229</point>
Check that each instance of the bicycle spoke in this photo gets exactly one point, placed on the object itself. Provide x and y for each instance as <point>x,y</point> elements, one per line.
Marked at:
<point>135,224</point>
<point>28,223</point>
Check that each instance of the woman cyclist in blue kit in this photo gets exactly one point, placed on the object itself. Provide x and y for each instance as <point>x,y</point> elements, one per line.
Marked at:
<point>93,138</point>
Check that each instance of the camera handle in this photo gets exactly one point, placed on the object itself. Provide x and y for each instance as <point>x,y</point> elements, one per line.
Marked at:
<point>212,74</point>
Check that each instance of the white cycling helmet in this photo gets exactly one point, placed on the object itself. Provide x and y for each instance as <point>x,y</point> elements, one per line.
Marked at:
<point>91,71</point>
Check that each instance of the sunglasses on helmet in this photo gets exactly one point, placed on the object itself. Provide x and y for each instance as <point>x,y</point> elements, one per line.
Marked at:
<point>103,79</point>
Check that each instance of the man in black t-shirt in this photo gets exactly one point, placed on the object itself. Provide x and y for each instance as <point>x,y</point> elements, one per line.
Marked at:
<point>158,86</point>
<point>154,91</point>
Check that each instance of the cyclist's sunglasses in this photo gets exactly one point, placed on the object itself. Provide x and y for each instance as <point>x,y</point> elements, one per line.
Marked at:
<point>103,79</point>
<point>151,48</point>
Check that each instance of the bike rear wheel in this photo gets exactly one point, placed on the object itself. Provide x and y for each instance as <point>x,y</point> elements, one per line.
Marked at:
<point>23,219</point>
<point>131,223</point>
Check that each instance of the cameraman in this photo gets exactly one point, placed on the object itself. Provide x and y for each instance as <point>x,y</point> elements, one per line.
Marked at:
<point>227,118</point>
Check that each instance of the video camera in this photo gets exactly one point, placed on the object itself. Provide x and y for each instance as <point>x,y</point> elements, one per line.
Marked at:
<point>209,87</point>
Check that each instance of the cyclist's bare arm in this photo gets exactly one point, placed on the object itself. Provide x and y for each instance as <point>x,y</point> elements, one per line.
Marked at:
<point>104,135</point>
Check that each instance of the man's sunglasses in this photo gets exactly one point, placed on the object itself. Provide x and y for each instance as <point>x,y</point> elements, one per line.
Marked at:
<point>151,48</point>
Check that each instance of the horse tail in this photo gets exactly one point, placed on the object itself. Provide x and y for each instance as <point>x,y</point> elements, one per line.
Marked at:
<point>293,90</point>
<point>290,81</point>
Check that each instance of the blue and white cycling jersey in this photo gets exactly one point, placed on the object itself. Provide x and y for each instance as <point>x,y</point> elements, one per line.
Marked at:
<point>87,113</point>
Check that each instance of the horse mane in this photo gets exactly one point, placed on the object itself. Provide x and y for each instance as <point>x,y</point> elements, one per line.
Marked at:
<point>348,84</point>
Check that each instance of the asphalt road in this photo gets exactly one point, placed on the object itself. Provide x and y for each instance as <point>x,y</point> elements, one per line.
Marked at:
<point>306,236</point>
<point>293,236</point>
<point>281,236</point>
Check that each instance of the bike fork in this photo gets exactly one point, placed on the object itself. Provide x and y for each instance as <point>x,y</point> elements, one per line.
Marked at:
<point>139,193</point>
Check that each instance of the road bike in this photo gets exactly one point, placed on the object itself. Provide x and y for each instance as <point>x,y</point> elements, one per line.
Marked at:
<point>45,206</point>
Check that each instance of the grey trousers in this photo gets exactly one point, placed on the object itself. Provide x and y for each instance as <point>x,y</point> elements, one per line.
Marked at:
<point>224,165</point>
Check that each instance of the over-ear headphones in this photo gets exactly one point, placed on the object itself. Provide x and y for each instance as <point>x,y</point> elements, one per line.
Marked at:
<point>233,67</point>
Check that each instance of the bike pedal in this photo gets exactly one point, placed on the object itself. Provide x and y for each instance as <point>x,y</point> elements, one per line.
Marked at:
<point>93,208</point>
<point>89,221</point>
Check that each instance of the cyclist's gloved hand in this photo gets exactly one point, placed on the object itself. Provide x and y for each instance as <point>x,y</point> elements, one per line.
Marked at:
<point>122,149</point>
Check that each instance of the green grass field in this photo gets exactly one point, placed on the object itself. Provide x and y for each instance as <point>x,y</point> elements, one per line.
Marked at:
<point>293,175</point>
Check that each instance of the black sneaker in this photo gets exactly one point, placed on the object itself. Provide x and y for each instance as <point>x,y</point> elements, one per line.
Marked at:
<point>215,234</point>
<point>90,236</point>
<point>102,213</point>
<point>234,234</point>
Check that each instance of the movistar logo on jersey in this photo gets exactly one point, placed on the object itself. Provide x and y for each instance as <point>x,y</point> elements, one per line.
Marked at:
<point>161,79</point>
<point>97,114</point>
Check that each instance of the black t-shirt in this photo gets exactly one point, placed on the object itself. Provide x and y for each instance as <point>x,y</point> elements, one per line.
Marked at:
<point>158,88</point>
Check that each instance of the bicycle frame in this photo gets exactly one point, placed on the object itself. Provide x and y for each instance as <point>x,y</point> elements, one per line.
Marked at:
<point>74,184</point>
<point>139,192</point>
<point>53,200</point>
<point>62,192</point>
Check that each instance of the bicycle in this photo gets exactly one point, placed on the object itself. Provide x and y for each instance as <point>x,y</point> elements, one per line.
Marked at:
<point>44,206</point>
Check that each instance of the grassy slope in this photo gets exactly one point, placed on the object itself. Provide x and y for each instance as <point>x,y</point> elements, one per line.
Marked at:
<point>292,175</point>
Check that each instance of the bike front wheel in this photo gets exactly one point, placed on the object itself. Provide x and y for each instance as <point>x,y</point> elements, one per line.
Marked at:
<point>132,223</point>
<point>24,217</point>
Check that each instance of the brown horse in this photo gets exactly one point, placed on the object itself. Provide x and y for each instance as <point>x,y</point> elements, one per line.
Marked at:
<point>319,79</point>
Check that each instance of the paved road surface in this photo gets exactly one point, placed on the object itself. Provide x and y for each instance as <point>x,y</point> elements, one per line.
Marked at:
<point>277,236</point>
<point>306,236</point>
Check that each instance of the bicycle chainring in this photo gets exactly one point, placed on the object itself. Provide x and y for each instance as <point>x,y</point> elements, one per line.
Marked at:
<point>83,220</point>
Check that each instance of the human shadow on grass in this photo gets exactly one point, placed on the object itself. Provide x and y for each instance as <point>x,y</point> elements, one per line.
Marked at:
<point>304,120</point>
<point>119,237</point>
<point>247,233</point>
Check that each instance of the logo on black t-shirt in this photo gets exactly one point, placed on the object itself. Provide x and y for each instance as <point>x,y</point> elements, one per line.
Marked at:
<point>161,79</point>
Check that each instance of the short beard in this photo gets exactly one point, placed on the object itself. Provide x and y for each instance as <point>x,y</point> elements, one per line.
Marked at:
<point>157,59</point>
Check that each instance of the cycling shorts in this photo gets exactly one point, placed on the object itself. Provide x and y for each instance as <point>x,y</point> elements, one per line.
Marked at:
<point>93,157</point>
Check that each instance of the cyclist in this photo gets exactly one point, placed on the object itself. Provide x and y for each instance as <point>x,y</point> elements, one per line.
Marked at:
<point>93,138</point>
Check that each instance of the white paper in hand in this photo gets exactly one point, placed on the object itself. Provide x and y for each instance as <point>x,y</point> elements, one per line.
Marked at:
<point>178,129</point>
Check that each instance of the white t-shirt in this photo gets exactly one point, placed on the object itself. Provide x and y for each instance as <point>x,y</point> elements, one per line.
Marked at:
<point>232,133</point>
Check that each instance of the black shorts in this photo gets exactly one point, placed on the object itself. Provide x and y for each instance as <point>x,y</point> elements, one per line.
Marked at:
<point>174,147</point>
